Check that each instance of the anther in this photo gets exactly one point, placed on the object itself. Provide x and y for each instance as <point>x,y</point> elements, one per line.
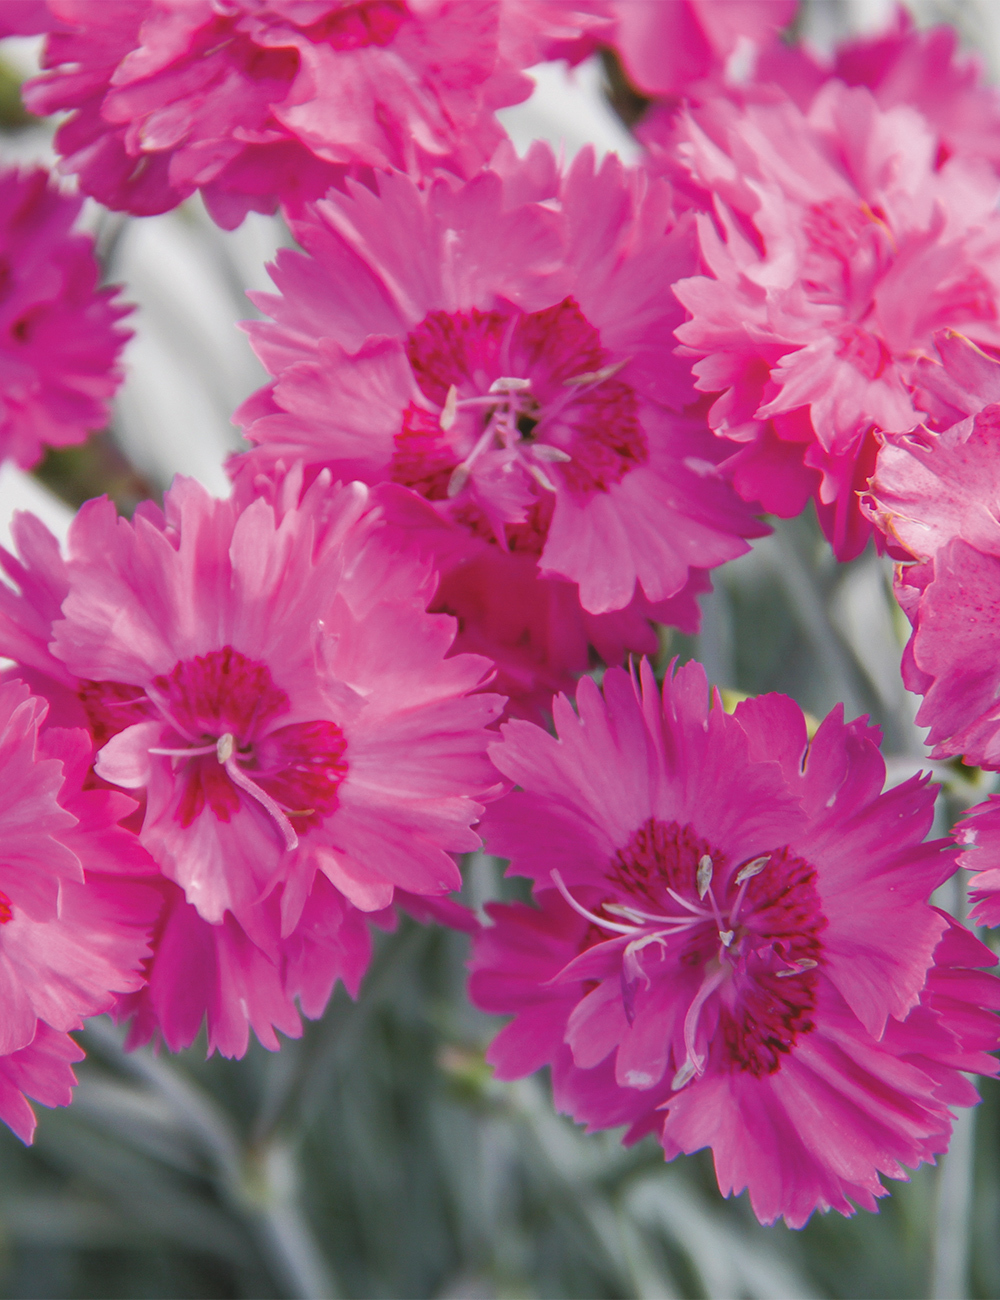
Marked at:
<point>507,384</point>
<point>684,1075</point>
<point>595,376</point>
<point>459,478</point>
<point>804,964</point>
<point>753,868</point>
<point>450,409</point>
<point>546,452</point>
<point>727,937</point>
<point>540,477</point>
<point>704,877</point>
<point>224,748</point>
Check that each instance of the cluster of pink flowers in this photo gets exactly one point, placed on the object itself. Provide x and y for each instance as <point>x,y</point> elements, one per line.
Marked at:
<point>518,411</point>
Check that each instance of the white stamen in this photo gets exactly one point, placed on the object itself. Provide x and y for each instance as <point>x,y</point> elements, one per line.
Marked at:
<point>684,1075</point>
<point>460,474</point>
<point>557,880</point>
<point>458,480</point>
<point>699,912</point>
<point>240,778</point>
<point>753,868</point>
<point>507,384</point>
<point>223,751</point>
<point>727,937</point>
<point>546,452</point>
<point>185,753</point>
<point>630,958</point>
<point>704,877</point>
<point>450,409</point>
<point>596,376</point>
<point>806,963</point>
<point>708,986</point>
<point>541,478</point>
<point>636,914</point>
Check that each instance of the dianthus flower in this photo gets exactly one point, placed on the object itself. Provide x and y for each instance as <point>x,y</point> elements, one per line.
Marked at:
<point>26,18</point>
<point>901,66</point>
<point>267,677</point>
<point>73,930</point>
<point>59,344</point>
<point>731,944</point>
<point>839,244</point>
<point>933,496</point>
<point>503,349</point>
<point>667,48</point>
<point>260,102</point>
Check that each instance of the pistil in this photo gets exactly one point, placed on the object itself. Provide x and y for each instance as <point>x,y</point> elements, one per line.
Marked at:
<point>224,750</point>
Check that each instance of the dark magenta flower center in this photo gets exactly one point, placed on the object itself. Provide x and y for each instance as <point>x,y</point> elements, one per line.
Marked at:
<point>221,735</point>
<point>358,26</point>
<point>519,403</point>
<point>739,940</point>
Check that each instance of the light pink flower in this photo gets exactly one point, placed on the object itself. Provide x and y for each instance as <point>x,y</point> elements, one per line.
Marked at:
<point>257,102</point>
<point>43,1072</point>
<point>218,976</point>
<point>665,48</point>
<point>73,931</point>
<point>901,65</point>
<point>265,675</point>
<point>214,975</point>
<point>731,937</point>
<point>979,833</point>
<point>839,244</point>
<point>536,31</point>
<point>934,496</point>
<point>59,344</point>
<point>503,348</point>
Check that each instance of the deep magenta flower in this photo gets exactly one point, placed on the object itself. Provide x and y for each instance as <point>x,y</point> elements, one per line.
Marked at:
<point>503,349</point>
<point>839,243</point>
<point>59,343</point>
<point>266,677</point>
<point>26,18</point>
<point>260,102</point>
<point>73,926</point>
<point>732,938</point>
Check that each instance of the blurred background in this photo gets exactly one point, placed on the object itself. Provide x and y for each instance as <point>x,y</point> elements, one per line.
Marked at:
<point>376,1156</point>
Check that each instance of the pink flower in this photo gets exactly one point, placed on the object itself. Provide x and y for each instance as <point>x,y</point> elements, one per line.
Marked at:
<point>260,102</point>
<point>59,344</point>
<point>73,928</point>
<point>934,496</point>
<point>503,348</point>
<point>902,66</point>
<point>26,18</point>
<point>665,48</point>
<point>536,631</point>
<point>214,974</point>
<point>979,833</point>
<point>536,31</point>
<point>43,1072</point>
<point>265,675</point>
<point>711,956</point>
<point>840,243</point>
